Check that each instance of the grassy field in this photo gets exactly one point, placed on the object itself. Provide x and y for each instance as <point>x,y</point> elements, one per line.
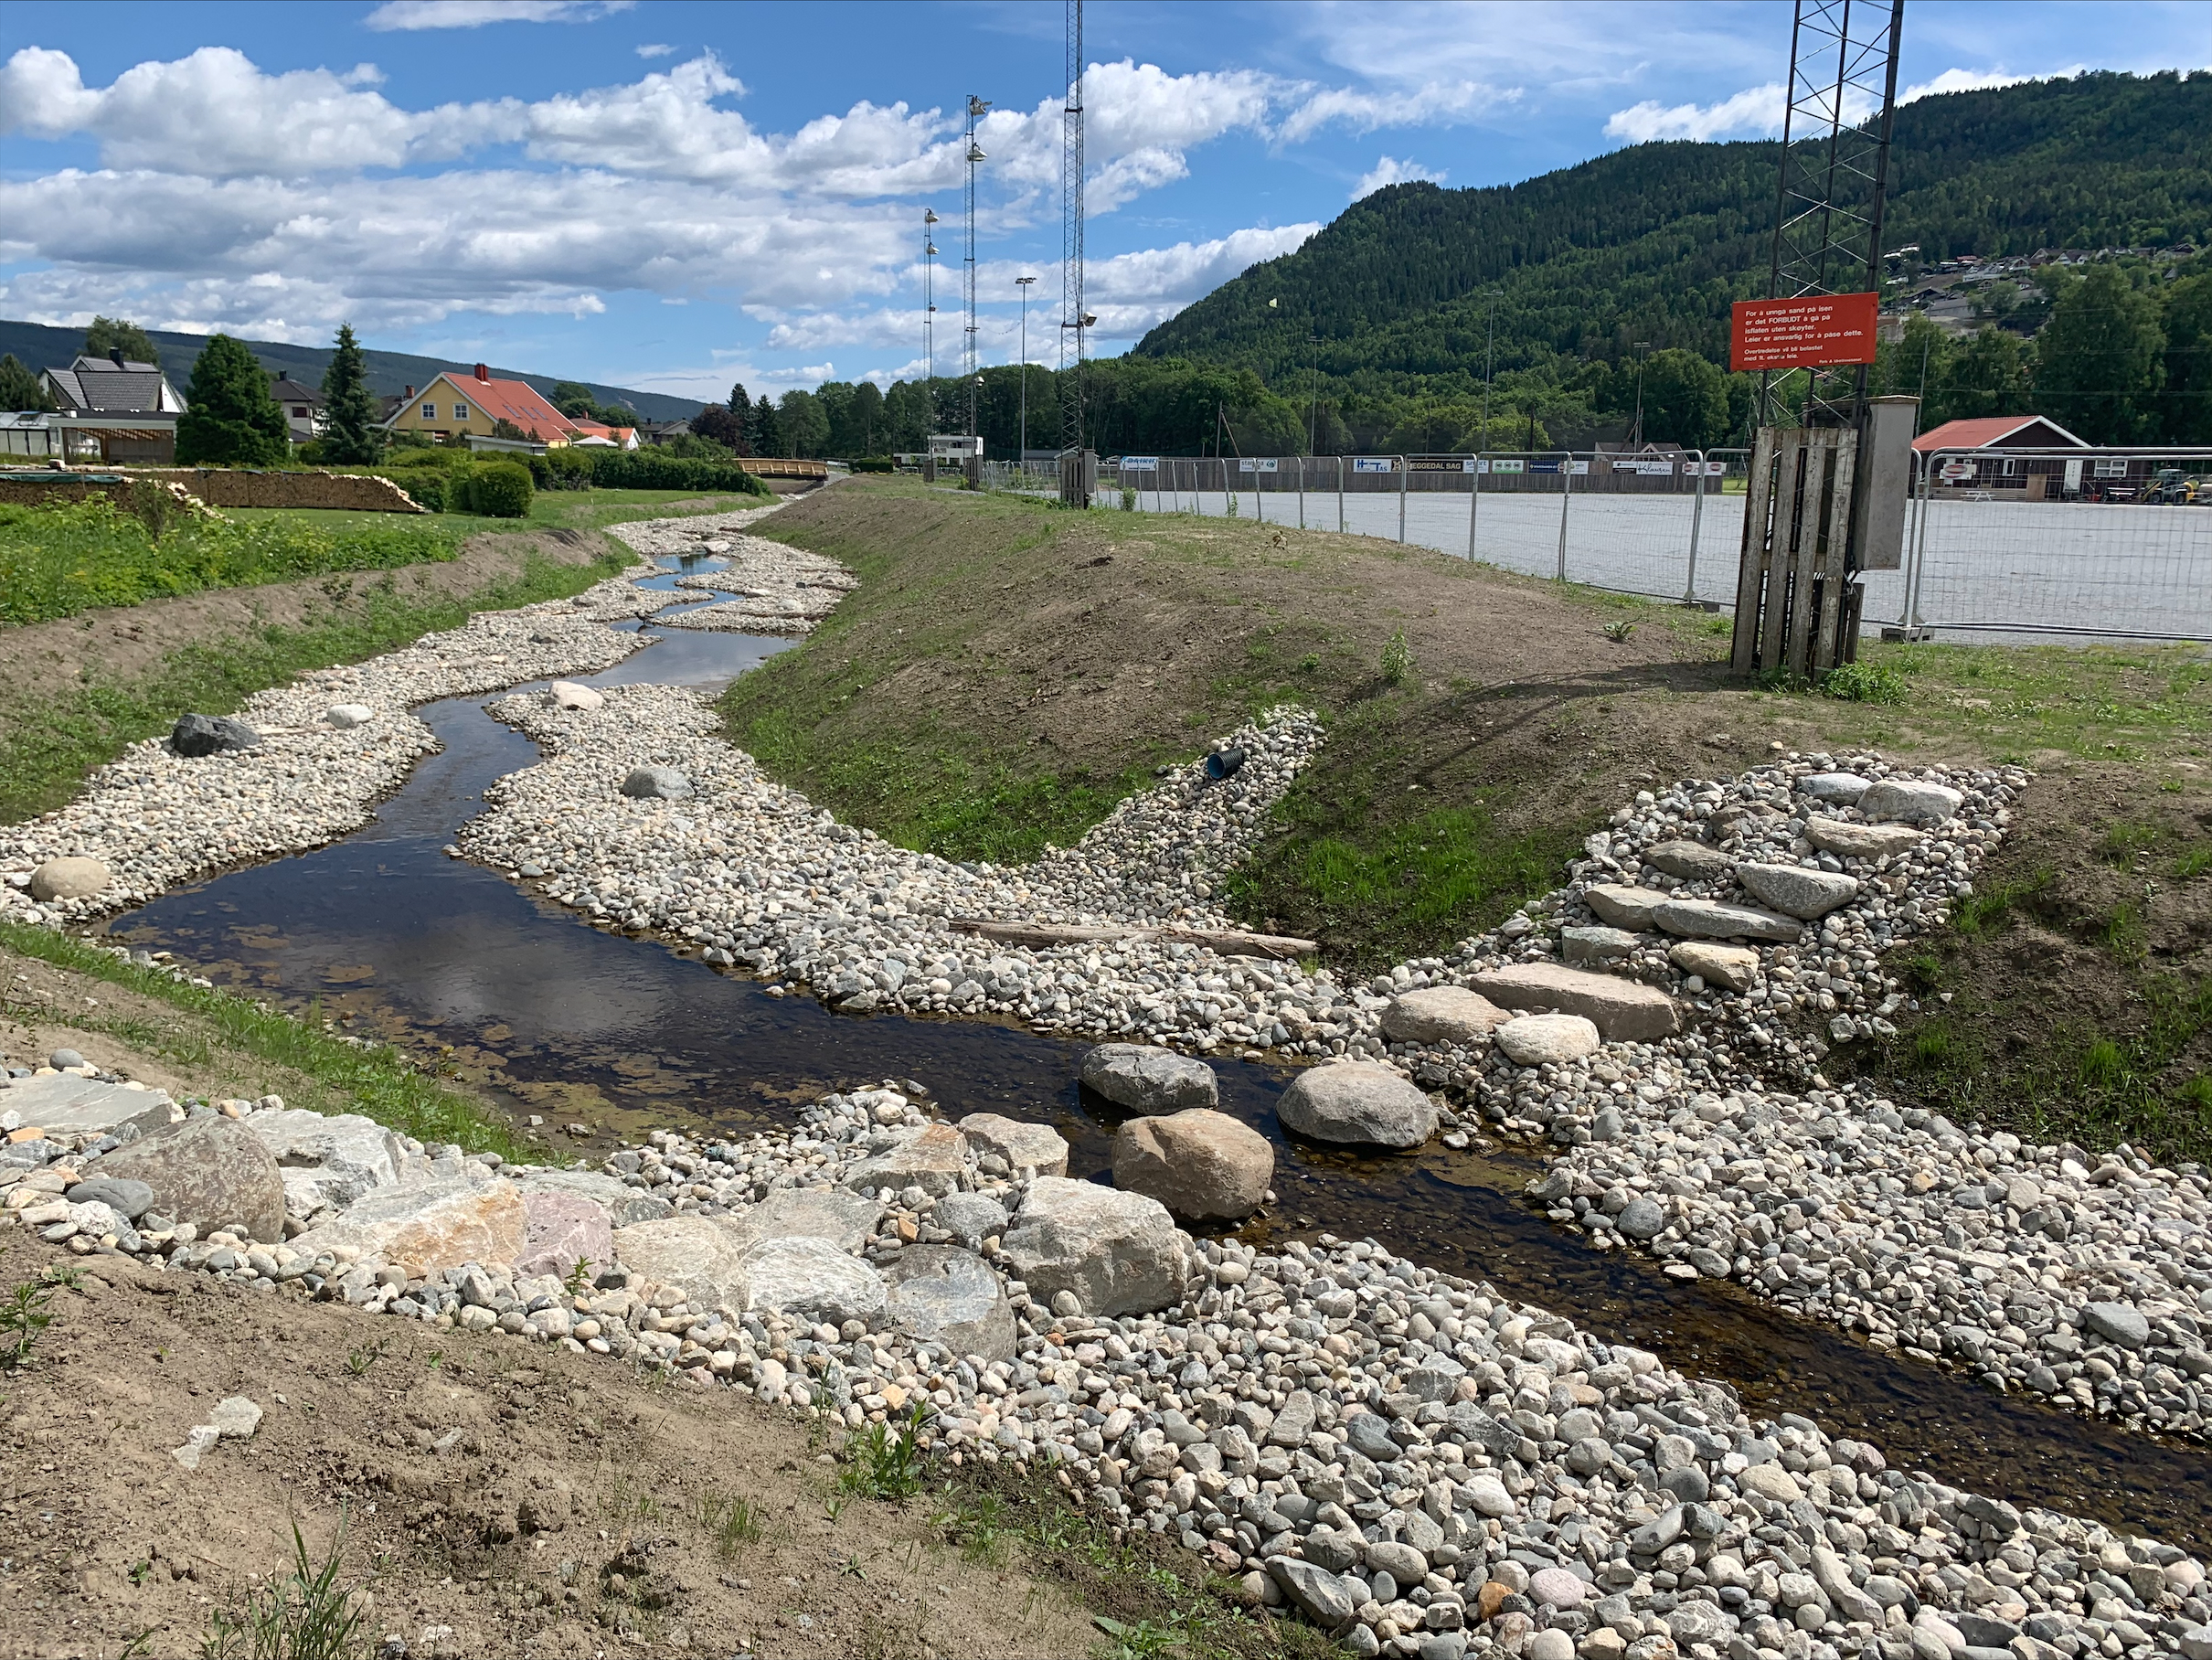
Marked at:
<point>1008,670</point>
<point>62,560</point>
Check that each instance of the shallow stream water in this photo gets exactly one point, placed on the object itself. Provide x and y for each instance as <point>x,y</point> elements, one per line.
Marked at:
<point>553,1015</point>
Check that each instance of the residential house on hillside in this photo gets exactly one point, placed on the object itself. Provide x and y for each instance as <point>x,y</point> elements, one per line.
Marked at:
<point>134,404</point>
<point>302,406</point>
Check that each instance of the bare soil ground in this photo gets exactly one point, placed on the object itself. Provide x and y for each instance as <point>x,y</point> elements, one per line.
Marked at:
<point>581,1509</point>
<point>124,642</point>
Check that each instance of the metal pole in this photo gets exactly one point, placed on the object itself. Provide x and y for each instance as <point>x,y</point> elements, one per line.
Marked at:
<point>1399,463</point>
<point>1340,495</point>
<point>1566,490</point>
<point>1302,492</point>
<point>1689,585</point>
<point>1475,494</point>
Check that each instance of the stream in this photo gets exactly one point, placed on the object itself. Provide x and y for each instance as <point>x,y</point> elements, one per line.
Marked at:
<point>550,1014</point>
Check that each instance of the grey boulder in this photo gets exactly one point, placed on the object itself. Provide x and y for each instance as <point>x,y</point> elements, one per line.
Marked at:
<point>1734,967</point>
<point>1198,1163</point>
<point>1317,1593</point>
<point>812,1279</point>
<point>1354,1101</point>
<point>1441,1014</point>
<point>930,1158</point>
<point>127,1199</point>
<point>950,1298</point>
<point>1146,1079</point>
<point>841,1217</point>
<point>1843,787</point>
<point>971,1217</point>
<point>1624,1011</point>
<point>1847,840</point>
<point>1692,861</point>
<point>699,1254</point>
<point>1622,906</point>
<point>1024,1145</point>
<point>1596,945</point>
<point>1535,1040</point>
<point>1119,1253</point>
<point>1797,891</point>
<point>1709,919</point>
<point>625,1206</point>
<point>209,1171</point>
<point>656,783</point>
<point>1902,798</point>
<point>328,1160</point>
<point>198,735</point>
<point>2116,1323</point>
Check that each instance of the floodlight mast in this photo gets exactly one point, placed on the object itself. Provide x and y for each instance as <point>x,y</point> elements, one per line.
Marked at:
<point>1835,174</point>
<point>929,312</point>
<point>968,364</point>
<point>1074,320</point>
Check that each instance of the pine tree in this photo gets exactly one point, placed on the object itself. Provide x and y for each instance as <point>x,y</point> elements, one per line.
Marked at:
<point>19,388</point>
<point>351,436</point>
<point>231,420</point>
<point>110,333</point>
<point>740,409</point>
<point>767,434</point>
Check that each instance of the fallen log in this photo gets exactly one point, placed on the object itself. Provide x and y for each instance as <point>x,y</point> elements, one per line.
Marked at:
<point>1232,942</point>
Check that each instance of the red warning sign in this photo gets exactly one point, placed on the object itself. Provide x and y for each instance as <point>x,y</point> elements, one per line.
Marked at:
<point>1811,333</point>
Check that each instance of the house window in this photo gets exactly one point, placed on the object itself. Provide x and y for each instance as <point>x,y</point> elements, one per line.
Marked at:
<point>2011,467</point>
<point>2112,469</point>
<point>430,412</point>
<point>461,411</point>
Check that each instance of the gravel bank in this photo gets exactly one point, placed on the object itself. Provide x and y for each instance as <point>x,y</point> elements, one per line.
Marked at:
<point>1414,1462</point>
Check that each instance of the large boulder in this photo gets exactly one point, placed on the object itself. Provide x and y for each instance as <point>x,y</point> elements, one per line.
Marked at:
<point>210,1172</point>
<point>69,878</point>
<point>569,695</point>
<point>1917,803</point>
<point>327,1161</point>
<point>1692,861</point>
<point>197,735</point>
<point>625,1206</point>
<point>1731,967</point>
<point>1711,920</point>
<point>656,783</point>
<point>1620,906</point>
<point>66,1104</point>
<point>1197,1163</point>
<point>702,1254</point>
<point>1143,1078</point>
<point>840,1216</point>
<point>127,1199</point>
<point>1797,891</point>
<point>811,1280</point>
<point>1598,944</point>
<point>972,1218</point>
<point>1119,1253</point>
<point>950,1297</point>
<point>1024,1145</point>
<point>1623,1011</point>
<point>429,1227</point>
<point>1356,1100</point>
<point>564,1229</point>
<point>1845,787</point>
<point>928,1158</point>
<point>1441,1014</point>
<point>1323,1597</point>
<point>1535,1040</point>
<point>1850,841</point>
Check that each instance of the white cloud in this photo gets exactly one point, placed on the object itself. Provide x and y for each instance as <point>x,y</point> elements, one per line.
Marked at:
<point>1974,81</point>
<point>1755,111</point>
<point>475,13</point>
<point>655,51</point>
<point>1389,170</point>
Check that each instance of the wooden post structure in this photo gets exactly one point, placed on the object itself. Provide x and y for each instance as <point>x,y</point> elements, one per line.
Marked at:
<point>1796,608</point>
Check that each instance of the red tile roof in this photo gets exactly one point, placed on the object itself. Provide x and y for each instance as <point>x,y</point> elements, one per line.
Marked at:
<point>516,401</point>
<point>1988,430</point>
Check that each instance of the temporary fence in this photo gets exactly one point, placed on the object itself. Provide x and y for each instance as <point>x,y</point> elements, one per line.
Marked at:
<point>2101,543</point>
<point>1656,524</point>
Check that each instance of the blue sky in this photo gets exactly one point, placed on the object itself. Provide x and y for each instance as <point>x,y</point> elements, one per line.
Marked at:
<point>672,195</point>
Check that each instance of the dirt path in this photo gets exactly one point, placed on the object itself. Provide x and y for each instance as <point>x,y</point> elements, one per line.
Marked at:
<point>123,642</point>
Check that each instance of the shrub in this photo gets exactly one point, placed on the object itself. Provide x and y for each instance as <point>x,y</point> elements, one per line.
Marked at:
<point>501,490</point>
<point>873,464</point>
<point>647,470</point>
<point>1397,659</point>
<point>429,488</point>
<point>1865,683</point>
<point>567,468</point>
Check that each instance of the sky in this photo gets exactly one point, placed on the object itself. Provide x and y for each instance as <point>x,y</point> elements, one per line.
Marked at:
<point>672,196</point>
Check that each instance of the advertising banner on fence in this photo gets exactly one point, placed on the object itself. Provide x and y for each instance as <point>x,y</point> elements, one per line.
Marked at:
<point>1645,466</point>
<point>1140,463</point>
<point>1374,464</point>
<point>1812,333</point>
<point>1256,464</point>
<point>1502,466</point>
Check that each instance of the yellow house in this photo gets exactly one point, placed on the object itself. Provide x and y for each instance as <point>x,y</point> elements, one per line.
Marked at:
<point>456,404</point>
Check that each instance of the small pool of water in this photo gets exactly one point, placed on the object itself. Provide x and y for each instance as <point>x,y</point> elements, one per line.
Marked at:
<point>553,1015</point>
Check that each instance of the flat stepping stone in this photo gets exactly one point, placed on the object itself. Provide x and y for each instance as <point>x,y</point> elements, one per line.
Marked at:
<point>1534,1040</point>
<point>1733,967</point>
<point>1692,861</point>
<point>1711,920</point>
<point>1797,891</point>
<point>1901,798</point>
<point>62,1105</point>
<point>1860,841</point>
<point>1596,945</point>
<point>1623,1011</point>
<point>1441,1014</point>
<point>1620,905</point>
<point>1845,787</point>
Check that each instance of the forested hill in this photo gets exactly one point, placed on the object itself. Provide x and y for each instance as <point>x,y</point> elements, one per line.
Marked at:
<point>1652,243</point>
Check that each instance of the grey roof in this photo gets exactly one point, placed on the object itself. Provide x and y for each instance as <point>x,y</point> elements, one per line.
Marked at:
<point>285,389</point>
<point>96,385</point>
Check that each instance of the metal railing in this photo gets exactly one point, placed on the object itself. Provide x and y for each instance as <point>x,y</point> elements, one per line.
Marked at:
<point>2093,543</point>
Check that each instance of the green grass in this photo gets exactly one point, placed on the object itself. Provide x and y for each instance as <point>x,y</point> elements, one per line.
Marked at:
<point>57,561</point>
<point>377,1082</point>
<point>731,1523</point>
<point>48,746</point>
<point>306,1615</point>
